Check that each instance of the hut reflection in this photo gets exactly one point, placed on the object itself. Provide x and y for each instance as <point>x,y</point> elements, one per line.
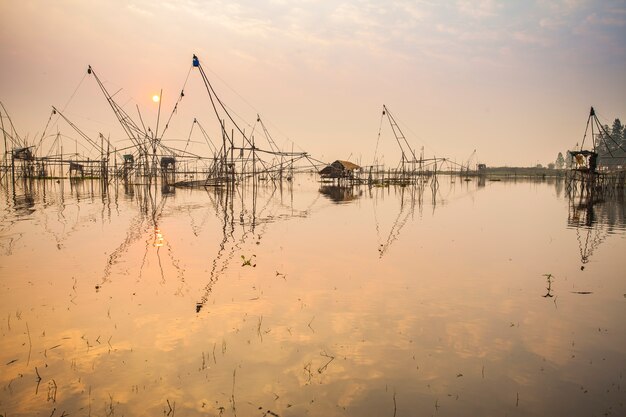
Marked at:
<point>167,189</point>
<point>340,194</point>
<point>24,204</point>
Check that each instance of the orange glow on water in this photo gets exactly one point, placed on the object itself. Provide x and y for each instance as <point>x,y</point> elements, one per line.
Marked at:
<point>158,238</point>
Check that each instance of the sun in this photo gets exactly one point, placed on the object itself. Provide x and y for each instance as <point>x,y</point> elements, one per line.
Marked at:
<point>156,98</point>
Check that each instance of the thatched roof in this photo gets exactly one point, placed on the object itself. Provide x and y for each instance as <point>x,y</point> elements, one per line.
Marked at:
<point>347,165</point>
<point>339,169</point>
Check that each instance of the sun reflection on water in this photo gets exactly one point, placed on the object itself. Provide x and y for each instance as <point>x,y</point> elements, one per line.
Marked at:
<point>452,320</point>
<point>159,240</point>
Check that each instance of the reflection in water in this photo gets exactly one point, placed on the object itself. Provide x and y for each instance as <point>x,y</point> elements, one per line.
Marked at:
<point>341,194</point>
<point>158,238</point>
<point>607,210</point>
<point>24,202</point>
<point>295,311</point>
<point>594,216</point>
<point>549,279</point>
<point>167,189</point>
<point>226,202</point>
<point>409,197</point>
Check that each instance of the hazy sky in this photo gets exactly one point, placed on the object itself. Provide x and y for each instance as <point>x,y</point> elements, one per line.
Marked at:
<point>513,80</point>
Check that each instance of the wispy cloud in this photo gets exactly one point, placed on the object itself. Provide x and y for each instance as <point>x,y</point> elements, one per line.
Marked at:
<point>139,9</point>
<point>616,19</point>
<point>551,23</point>
<point>531,38</point>
<point>325,34</point>
<point>478,9</point>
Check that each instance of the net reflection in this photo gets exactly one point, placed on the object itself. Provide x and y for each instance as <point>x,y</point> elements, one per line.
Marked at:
<point>245,212</point>
<point>296,312</point>
<point>595,216</point>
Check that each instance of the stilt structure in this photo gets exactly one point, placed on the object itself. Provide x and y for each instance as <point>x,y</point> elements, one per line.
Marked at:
<point>586,178</point>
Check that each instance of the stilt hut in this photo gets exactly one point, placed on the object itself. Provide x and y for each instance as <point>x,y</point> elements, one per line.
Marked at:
<point>26,158</point>
<point>584,160</point>
<point>168,169</point>
<point>340,171</point>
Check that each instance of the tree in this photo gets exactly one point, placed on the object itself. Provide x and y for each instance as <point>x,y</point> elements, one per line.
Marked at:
<point>568,161</point>
<point>616,131</point>
<point>560,161</point>
<point>610,144</point>
<point>551,165</point>
<point>605,145</point>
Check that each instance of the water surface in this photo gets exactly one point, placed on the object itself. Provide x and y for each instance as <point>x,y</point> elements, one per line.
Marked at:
<point>450,298</point>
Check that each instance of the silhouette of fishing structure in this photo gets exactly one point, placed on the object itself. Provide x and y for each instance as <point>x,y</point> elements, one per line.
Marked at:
<point>590,176</point>
<point>410,169</point>
<point>238,156</point>
<point>150,157</point>
<point>590,183</point>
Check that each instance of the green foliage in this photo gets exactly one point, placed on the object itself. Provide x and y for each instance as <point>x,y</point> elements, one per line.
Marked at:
<point>617,131</point>
<point>248,262</point>
<point>611,144</point>
<point>560,161</point>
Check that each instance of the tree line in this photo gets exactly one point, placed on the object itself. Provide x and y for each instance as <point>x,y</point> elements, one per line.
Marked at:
<point>611,143</point>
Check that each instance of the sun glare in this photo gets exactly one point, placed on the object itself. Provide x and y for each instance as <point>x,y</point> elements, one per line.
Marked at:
<point>156,98</point>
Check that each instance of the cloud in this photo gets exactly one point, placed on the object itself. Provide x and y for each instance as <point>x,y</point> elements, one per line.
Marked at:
<point>352,15</point>
<point>478,9</point>
<point>417,14</point>
<point>138,9</point>
<point>551,23</point>
<point>561,8</point>
<point>529,38</point>
<point>609,19</point>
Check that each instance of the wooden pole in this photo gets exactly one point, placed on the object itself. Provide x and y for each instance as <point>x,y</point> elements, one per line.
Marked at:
<point>232,154</point>
<point>253,163</point>
<point>224,162</point>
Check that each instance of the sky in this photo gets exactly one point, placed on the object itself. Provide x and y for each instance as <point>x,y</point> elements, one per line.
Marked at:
<point>512,80</point>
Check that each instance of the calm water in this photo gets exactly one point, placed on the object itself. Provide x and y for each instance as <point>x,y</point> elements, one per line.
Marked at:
<point>452,299</point>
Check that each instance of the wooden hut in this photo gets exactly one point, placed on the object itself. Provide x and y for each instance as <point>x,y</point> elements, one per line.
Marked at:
<point>340,170</point>
<point>584,160</point>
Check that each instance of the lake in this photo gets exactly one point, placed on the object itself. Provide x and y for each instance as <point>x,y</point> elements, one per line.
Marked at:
<point>447,298</point>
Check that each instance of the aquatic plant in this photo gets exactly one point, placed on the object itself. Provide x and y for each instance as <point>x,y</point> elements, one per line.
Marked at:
<point>248,262</point>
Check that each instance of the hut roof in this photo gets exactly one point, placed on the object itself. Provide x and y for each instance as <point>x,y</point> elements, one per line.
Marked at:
<point>347,165</point>
<point>584,153</point>
<point>338,169</point>
<point>328,170</point>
